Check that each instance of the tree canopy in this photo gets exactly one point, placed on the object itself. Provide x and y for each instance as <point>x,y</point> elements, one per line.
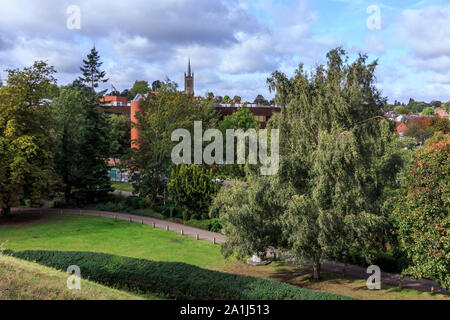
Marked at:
<point>26,141</point>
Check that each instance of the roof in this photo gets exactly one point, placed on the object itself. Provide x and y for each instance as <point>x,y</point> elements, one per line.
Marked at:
<point>401,127</point>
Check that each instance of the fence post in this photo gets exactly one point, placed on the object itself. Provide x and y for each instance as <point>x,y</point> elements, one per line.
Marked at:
<point>197,237</point>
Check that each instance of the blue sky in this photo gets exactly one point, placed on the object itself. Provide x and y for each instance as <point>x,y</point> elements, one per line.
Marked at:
<point>234,45</point>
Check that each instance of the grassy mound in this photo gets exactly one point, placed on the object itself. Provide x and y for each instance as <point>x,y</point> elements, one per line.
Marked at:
<point>172,279</point>
<point>23,280</point>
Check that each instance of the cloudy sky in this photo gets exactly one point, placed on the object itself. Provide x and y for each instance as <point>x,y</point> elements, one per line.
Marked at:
<point>234,45</point>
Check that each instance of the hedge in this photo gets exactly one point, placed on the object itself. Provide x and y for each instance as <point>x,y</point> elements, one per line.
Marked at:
<point>171,280</point>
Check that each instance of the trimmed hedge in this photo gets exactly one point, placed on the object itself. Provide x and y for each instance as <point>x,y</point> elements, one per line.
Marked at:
<point>171,280</point>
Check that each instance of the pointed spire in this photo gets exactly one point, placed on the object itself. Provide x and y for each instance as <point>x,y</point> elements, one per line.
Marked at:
<point>189,67</point>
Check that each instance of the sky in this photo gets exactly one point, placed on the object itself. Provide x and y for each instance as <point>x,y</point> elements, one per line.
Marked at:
<point>234,45</point>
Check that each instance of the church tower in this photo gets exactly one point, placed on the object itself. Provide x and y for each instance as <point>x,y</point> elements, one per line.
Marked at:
<point>189,80</point>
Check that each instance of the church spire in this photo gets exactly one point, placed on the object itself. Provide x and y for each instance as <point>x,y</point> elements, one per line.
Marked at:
<point>189,79</point>
<point>189,67</point>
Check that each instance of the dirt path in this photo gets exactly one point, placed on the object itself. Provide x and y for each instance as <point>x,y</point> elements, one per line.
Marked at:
<point>330,266</point>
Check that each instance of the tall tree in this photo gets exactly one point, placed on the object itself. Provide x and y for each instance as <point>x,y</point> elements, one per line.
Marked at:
<point>337,159</point>
<point>162,114</point>
<point>26,140</point>
<point>83,147</point>
<point>92,75</point>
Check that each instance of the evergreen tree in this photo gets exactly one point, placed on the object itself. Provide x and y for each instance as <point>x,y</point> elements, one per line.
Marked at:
<point>82,147</point>
<point>92,75</point>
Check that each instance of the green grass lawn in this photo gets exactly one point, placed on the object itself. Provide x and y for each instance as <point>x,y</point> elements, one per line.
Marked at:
<point>79,233</point>
<point>93,234</point>
<point>122,186</point>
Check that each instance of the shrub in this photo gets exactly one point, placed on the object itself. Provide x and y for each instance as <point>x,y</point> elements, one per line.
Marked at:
<point>200,224</point>
<point>169,279</point>
<point>215,225</point>
<point>192,187</point>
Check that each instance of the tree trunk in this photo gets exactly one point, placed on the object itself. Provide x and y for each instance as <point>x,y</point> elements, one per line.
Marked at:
<point>316,270</point>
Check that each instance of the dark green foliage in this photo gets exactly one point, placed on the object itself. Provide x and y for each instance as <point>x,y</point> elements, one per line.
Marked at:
<point>394,262</point>
<point>171,280</point>
<point>192,187</point>
<point>200,224</point>
<point>92,76</point>
<point>82,147</point>
<point>121,204</point>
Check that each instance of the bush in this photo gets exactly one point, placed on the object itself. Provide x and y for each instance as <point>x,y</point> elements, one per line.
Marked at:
<point>170,280</point>
<point>215,225</point>
<point>200,224</point>
<point>192,188</point>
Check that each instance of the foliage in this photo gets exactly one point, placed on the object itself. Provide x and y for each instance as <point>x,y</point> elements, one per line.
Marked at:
<point>251,217</point>
<point>82,147</point>
<point>26,141</point>
<point>422,217</point>
<point>169,279</point>
<point>241,119</point>
<point>440,124</point>
<point>92,75</point>
<point>428,111</point>
<point>416,107</point>
<point>119,135</point>
<point>156,85</point>
<point>139,87</point>
<point>193,188</point>
<point>338,158</point>
<point>401,110</point>
<point>162,114</point>
<point>261,100</point>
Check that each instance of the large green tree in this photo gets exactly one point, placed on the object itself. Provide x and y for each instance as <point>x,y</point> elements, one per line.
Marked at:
<point>161,114</point>
<point>26,140</point>
<point>337,159</point>
<point>83,146</point>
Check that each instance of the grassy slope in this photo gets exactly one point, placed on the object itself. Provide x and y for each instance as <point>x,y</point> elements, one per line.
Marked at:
<point>76,233</point>
<point>22,280</point>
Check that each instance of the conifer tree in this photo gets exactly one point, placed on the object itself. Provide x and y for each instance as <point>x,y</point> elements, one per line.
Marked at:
<point>92,75</point>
